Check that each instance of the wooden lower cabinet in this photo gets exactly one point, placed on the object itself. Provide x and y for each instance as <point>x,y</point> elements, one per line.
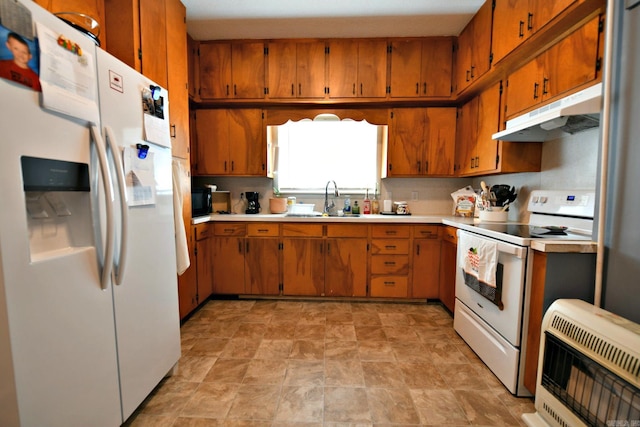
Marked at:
<point>302,259</point>
<point>346,260</point>
<point>262,259</point>
<point>228,258</point>
<point>204,260</point>
<point>426,263</point>
<point>448,253</point>
<point>389,254</point>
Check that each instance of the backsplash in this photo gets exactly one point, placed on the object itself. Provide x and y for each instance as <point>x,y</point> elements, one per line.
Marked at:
<point>567,163</point>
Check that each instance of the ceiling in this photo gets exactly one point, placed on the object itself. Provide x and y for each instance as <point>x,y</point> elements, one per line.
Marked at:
<point>273,19</point>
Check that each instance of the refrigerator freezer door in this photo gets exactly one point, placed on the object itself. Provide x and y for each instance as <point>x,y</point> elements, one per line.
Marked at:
<point>146,301</point>
<point>58,364</point>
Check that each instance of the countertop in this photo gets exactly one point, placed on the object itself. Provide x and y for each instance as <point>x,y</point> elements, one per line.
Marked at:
<point>396,219</point>
<point>542,245</point>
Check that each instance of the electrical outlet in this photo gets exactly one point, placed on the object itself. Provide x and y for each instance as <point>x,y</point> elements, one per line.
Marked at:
<point>414,195</point>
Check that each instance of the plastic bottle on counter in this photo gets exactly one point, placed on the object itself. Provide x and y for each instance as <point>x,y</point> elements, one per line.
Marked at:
<point>347,205</point>
<point>366,204</point>
<point>355,209</point>
<point>375,203</point>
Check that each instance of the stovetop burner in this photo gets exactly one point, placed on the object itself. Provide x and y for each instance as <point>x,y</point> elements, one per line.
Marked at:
<point>526,231</point>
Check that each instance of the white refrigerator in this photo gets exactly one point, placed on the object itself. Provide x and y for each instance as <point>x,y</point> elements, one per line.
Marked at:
<point>89,321</point>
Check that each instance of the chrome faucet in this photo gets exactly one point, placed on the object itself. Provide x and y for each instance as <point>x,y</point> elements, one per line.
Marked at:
<point>328,207</point>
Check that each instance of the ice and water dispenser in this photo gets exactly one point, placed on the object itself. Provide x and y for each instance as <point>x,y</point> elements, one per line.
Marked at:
<point>58,206</point>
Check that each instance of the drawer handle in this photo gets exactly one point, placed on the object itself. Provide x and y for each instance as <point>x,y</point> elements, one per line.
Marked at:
<point>228,230</point>
<point>390,247</point>
<point>389,263</point>
<point>391,232</point>
<point>389,283</point>
<point>263,230</point>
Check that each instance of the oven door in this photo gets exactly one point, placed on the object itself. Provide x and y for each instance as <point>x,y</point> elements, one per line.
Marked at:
<point>507,318</point>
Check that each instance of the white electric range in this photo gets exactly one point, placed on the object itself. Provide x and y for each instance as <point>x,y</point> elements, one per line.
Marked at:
<point>493,318</point>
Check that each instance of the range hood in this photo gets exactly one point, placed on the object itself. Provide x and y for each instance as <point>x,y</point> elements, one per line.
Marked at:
<point>575,113</point>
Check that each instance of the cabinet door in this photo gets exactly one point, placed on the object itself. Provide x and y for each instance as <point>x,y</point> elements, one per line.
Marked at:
<point>406,60</point>
<point>343,69</point>
<point>466,137</point>
<point>212,144</point>
<point>204,267</point>
<point>448,269</point>
<point>426,268</point>
<point>302,266</point>
<point>372,68</point>
<point>178,72</point>
<point>188,281</point>
<point>488,119</point>
<point>153,17</point>
<point>282,70</point>
<point>405,149</point>
<point>215,70</point>
<point>262,266</point>
<point>440,128</point>
<point>437,64</point>
<point>228,265</point>
<point>346,268</point>
<point>310,61</point>
<point>247,152</point>
<point>247,70</point>
<point>464,58</point>
<point>571,62</point>
<point>481,53</point>
<point>524,89</point>
<point>509,26</point>
<point>194,66</point>
<point>544,11</point>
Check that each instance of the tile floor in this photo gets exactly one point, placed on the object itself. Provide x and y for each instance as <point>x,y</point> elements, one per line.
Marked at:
<point>314,363</point>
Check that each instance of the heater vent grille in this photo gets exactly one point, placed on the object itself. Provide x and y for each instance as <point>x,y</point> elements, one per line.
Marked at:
<point>629,364</point>
<point>558,419</point>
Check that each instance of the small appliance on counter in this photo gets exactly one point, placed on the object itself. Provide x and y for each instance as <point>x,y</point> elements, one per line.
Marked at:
<point>253,204</point>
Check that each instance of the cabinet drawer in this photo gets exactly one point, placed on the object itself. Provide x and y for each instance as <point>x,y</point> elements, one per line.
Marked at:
<point>302,230</point>
<point>204,231</point>
<point>391,231</point>
<point>347,230</point>
<point>389,286</point>
<point>449,234</point>
<point>222,229</point>
<point>390,246</point>
<point>270,230</point>
<point>390,264</point>
<point>425,232</point>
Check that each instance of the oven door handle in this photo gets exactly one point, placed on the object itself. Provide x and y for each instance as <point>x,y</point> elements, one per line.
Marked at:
<point>517,251</point>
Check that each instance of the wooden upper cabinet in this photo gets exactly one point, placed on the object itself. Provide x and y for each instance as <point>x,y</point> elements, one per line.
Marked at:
<point>194,63</point>
<point>229,142</point>
<point>178,77</point>
<point>421,68</point>
<point>232,70</point>
<point>422,142</point>
<point>474,48</point>
<point>136,34</point>
<point>514,21</point>
<point>296,69</point>
<point>570,64</point>
<point>478,120</point>
<point>357,68</point>
<point>92,8</point>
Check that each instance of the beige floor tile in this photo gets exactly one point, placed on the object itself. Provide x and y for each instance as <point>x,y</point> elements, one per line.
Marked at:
<point>280,331</point>
<point>443,352</point>
<point>301,404</point>
<point>392,406</point>
<point>144,420</point>
<point>462,376</point>
<point>228,371</point>
<point>211,400</point>
<point>193,368</point>
<point>274,349</point>
<point>254,331</point>
<point>340,350</point>
<point>210,422</point>
<point>304,372</point>
<point>310,332</point>
<point>346,404</point>
<point>375,351</point>
<point>365,318</point>
<point>370,333</point>
<point>169,398</point>
<point>400,333</point>
<point>422,376</point>
<point>438,407</point>
<point>302,349</point>
<point>342,317</point>
<point>255,402</point>
<point>208,347</point>
<point>240,348</point>
<point>382,375</point>
<point>483,409</point>
<point>340,332</point>
<point>346,373</point>
<point>265,371</point>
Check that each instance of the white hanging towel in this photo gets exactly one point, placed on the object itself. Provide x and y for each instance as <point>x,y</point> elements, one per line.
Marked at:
<point>182,249</point>
<point>480,258</point>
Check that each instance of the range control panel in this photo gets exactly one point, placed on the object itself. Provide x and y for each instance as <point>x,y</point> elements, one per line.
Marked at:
<point>563,202</point>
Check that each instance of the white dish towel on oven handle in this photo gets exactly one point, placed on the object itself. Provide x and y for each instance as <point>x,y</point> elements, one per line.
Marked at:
<point>480,258</point>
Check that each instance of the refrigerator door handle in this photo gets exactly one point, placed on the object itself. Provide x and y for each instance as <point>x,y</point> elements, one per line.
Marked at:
<point>124,213</point>
<point>108,196</point>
